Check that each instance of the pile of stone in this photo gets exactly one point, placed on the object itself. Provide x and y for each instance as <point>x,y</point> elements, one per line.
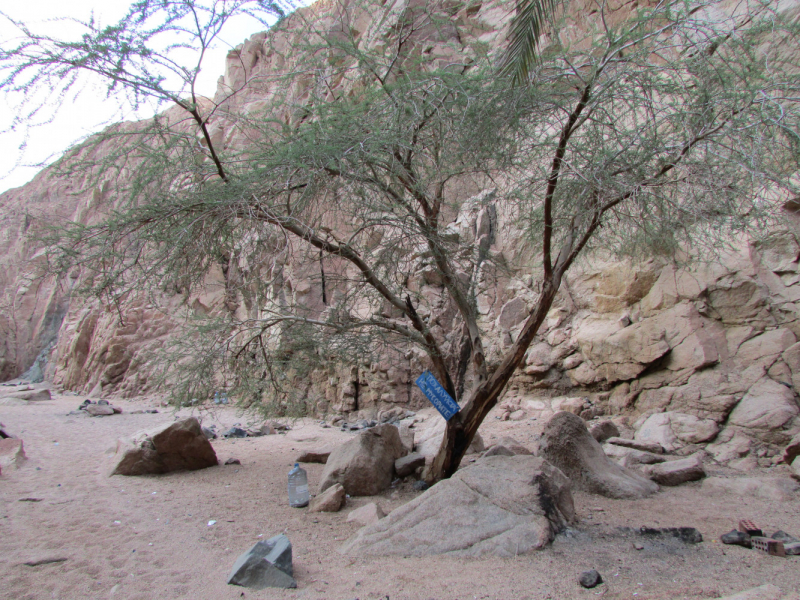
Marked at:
<point>238,431</point>
<point>101,408</point>
<point>748,535</point>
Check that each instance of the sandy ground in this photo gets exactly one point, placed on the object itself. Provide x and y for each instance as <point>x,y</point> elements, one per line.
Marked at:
<point>150,537</point>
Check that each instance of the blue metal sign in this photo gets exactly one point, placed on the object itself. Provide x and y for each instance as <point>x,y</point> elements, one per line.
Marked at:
<point>443,402</point>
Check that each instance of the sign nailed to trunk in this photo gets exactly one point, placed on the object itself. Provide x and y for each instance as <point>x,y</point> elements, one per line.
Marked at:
<point>443,402</point>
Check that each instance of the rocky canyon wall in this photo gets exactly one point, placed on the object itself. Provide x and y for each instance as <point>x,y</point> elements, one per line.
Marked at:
<point>705,352</point>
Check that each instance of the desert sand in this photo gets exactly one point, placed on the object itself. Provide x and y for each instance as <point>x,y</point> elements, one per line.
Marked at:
<point>177,535</point>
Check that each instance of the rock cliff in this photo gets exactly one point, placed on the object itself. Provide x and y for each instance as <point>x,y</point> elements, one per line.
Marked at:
<point>705,352</point>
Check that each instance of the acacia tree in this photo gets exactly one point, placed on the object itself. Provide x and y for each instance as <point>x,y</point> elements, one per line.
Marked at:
<point>675,127</point>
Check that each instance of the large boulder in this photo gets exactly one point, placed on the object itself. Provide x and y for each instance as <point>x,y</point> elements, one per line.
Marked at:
<point>331,500</point>
<point>673,430</point>
<point>766,408</point>
<point>364,465</point>
<point>567,444</point>
<point>169,447</point>
<point>501,505</point>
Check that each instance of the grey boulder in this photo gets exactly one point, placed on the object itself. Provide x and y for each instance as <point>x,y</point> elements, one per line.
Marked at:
<point>501,505</point>
<point>177,446</point>
<point>266,564</point>
<point>364,465</point>
<point>568,445</point>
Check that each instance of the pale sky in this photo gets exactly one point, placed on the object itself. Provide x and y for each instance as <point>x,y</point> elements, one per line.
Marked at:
<point>92,110</point>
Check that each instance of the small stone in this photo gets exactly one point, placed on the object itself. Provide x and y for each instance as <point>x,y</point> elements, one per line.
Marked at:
<point>331,500</point>
<point>421,485</point>
<point>210,433</point>
<point>266,564</point>
<point>590,579</point>
<point>233,461</point>
<point>792,548</point>
<point>738,538</point>
<point>638,546</point>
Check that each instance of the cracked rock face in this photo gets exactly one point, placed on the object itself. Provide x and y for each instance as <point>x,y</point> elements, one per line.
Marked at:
<point>499,505</point>
<point>713,341</point>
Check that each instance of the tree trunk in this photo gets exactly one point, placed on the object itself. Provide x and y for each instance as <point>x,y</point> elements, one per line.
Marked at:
<point>461,429</point>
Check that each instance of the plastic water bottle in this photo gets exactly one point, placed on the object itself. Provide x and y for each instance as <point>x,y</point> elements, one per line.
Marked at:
<point>216,397</point>
<point>223,398</point>
<point>298,487</point>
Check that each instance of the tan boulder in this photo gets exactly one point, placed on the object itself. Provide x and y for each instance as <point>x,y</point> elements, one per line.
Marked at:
<point>767,406</point>
<point>676,472</point>
<point>331,500</point>
<point>364,465</point>
<point>169,447</point>
<point>673,430</point>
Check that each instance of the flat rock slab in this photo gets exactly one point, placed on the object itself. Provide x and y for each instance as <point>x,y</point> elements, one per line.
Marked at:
<point>676,472</point>
<point>568,445</point>
<point>177,446</point>
<point>29,395</point>
<point>267,564</point>
<point>628,457</point>
<point>636,445</point>
<point>501,505</point>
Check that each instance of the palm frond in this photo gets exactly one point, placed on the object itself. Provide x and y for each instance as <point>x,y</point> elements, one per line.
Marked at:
<point>526,27</point>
